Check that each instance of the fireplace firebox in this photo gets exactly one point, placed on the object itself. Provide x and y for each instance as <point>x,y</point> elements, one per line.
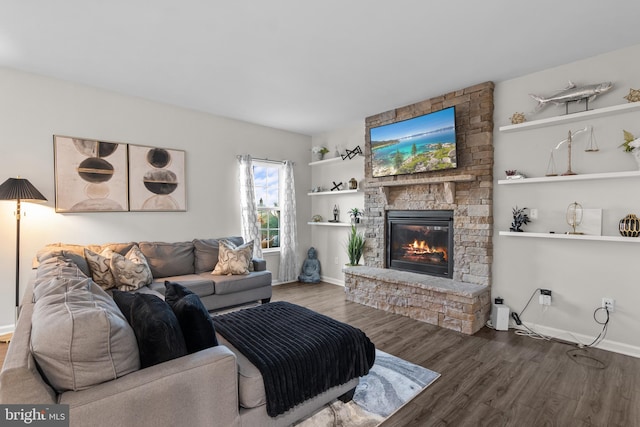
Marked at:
<point>420,241</point>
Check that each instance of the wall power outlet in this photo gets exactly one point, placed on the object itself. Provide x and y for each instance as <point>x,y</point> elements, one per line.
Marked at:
<point>545,297</point>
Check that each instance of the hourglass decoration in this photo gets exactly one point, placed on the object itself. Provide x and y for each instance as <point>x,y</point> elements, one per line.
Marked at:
<point>574,217</point>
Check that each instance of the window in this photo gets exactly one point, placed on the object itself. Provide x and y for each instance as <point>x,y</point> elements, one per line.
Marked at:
<point>266,178</point>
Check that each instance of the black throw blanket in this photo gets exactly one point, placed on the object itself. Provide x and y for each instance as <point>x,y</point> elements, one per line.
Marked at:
<point>299,352</point>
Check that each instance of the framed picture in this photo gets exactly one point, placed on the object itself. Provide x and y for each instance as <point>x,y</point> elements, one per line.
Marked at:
<point>156,179</point>
<point>90,175</point>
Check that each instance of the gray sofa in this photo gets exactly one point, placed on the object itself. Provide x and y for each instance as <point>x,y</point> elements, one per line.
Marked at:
<point>217,386</point>
<point>187,263</point>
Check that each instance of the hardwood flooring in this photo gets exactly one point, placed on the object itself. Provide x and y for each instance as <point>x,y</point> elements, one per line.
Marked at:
<point>491,378</point>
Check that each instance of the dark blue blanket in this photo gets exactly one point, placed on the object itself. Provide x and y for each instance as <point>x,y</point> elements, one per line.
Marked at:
<point>299,352</point>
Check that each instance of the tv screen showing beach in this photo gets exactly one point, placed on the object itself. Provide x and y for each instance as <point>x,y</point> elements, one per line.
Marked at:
<point>422,144</point>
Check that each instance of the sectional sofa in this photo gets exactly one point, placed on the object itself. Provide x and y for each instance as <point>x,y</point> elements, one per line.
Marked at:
<point>83,355</point>
<point>189,263</point>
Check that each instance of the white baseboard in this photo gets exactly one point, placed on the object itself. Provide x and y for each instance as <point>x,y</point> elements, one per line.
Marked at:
<point>7,329</point>
<point>609,345</point>
<point>332,280</point>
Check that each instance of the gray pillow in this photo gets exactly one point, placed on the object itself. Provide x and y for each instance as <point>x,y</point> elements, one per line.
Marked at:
<point>169,259</point>
<point>80,338</point>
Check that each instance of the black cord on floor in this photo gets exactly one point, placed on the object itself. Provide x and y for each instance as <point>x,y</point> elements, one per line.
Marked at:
<point>574,354</point>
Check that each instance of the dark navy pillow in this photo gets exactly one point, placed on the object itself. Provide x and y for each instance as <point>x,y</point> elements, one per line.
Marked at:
<point>156,327</point>
<point>196,323</point>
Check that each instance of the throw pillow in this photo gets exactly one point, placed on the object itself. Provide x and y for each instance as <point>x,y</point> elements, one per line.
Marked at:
<point>100,265</point>
<point>233,259</point>
<point>195,321</point>
<point>156,327</point>
<point>131,271</point>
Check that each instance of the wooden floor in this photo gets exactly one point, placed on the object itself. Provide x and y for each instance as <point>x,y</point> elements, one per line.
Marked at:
<point>491,378</point>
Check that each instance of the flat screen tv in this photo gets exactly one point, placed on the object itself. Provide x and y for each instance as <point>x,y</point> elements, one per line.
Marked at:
<point>421,144</point>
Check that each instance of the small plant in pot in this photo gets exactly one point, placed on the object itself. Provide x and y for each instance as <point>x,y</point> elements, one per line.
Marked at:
<point>355,246</point>
<point>520,218</point>
<point>318,152</point>
<point>355,215</point>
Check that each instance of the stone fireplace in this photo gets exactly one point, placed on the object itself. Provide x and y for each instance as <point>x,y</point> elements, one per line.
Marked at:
<point>456,296</point>
<point>420,241</point>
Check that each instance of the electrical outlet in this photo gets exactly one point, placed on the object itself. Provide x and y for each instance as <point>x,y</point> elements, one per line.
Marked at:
<point>533,213</point>
<point>335,260</point>
<point>609,304</point>
<point>544,297</point>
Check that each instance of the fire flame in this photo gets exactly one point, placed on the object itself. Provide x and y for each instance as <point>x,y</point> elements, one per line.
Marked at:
<point>423,248</point>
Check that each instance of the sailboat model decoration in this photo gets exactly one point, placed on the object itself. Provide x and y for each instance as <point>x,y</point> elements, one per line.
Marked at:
<point>592,147</point>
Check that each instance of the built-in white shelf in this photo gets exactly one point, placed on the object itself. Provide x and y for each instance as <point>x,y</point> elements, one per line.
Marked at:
<point>331,193</point>
<point>334,224</point>
<point>573,117</point>
<point>335,160</point>
<point>560,178</point>
<point>571,236</point>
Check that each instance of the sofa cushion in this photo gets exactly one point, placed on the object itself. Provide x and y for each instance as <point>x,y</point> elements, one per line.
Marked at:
<point>100,265</point>
<point>230,284</point>
<point>234,259</point>
<point>251,392</point>
<point>80,338</point>
<point>156,328</point>
<point>76,252</point>
<point>199,284</point>
<point>206,252</point>
<point>51,272</point>
<point>196,323</point>
<point>76,257</point>
<point>130,271</point>
<point>169,259</point>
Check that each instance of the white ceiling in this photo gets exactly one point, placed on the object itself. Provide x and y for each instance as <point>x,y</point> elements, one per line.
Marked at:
<point>304,66</point>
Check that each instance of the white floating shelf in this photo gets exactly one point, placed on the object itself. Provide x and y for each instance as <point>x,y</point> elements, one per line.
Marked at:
<point>573,117</point>
<point>571,236</point>
<point>560,178</point>
<point>334,224</point>
<point>331,193</point>
<point>334,160</point>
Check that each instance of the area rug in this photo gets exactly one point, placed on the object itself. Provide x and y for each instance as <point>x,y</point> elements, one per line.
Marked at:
<point>390,383</point>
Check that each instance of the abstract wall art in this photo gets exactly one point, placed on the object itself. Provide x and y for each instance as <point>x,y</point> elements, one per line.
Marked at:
<point>102,176</point>
<point>156,179</point>
<point>90,175</point>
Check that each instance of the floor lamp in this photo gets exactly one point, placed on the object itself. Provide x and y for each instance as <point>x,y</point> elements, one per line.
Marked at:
<point>19,189</point>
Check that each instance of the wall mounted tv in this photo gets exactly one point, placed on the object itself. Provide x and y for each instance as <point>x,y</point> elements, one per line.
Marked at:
<point>421,144</point>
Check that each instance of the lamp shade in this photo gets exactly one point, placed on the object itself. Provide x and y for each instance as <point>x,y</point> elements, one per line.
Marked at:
<point>19,189</point>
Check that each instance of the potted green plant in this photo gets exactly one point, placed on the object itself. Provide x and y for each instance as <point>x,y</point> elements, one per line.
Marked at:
<point>318,152</point>
<point>355,215</point>
<point>520,218</point>
<point>355,246</point>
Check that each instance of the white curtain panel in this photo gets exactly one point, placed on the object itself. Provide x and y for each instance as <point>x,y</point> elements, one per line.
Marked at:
<point>288,270</point>
<point>248,209</point>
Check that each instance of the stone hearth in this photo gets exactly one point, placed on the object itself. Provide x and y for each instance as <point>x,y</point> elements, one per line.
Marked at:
<point>467,191</point>
<point>435,300</point>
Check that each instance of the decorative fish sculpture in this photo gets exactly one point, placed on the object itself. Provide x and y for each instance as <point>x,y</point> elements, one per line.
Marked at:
<point>573,93</point>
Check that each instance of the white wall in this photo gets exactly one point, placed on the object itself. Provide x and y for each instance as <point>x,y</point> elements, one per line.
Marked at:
<point>330,242</point>
<point>34,108</point>
<point>579,273</point>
